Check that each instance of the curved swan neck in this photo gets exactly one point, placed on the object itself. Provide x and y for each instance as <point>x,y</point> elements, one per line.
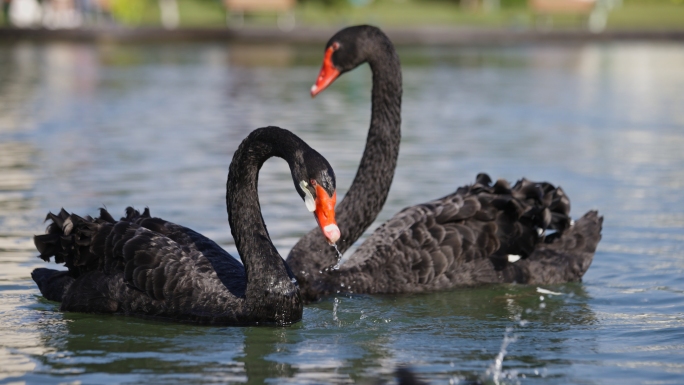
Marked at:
<point>264,268</point>
<point>368,192</point>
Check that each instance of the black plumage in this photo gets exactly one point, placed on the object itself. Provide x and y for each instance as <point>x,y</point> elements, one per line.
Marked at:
<point>140,265</point>
<point>483,233</point>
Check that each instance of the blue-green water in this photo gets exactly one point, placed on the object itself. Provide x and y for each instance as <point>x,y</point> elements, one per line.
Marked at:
<point>82,126</point>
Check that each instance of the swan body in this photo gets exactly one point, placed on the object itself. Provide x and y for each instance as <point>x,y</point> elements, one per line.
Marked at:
<point>145,266</point>
<point>482,233</point>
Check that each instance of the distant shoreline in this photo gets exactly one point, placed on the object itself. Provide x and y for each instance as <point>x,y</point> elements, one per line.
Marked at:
<point>444,36</point>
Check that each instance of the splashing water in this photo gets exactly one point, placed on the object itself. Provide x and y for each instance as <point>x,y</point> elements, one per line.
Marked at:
<point>495,370</point>
<point>336,266</point>
<point>339,257</point>
<point>335,304</point>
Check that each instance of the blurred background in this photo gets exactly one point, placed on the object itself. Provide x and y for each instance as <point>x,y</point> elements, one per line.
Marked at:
<point>592,15</point>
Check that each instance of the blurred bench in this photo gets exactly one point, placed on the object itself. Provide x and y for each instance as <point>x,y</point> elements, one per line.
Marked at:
<point>550,7</point>
<point>284,9</point>
<point>259,5</point>
<point>597,15</point>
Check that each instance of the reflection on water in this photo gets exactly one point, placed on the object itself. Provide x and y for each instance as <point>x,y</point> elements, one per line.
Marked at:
<point>371,337</point>
<point>82,126</point>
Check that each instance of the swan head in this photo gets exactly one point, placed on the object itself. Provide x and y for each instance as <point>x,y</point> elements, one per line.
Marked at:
<point>322,205</point>
<point>346,50</point>
<point>317,186</point>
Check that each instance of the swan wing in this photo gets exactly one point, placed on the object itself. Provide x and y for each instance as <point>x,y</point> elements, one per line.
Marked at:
<point>188,238</point>
<point>162,268</point>
<point>475,235</point>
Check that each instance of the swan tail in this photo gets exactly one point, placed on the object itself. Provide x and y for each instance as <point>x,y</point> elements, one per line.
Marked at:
<point>83,245</point>
<point>573,249</point>
<point>534,227</point>
<point>80,243</point>
<point>53,284</point>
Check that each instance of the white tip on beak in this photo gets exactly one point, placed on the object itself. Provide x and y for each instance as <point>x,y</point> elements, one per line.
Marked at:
<point>332,233</point>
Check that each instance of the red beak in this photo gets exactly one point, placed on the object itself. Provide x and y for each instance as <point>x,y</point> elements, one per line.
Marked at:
<point>325,214</point>
<point>327,75</point>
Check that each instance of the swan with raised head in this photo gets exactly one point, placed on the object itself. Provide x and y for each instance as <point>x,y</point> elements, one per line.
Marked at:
<point>482,233</point>
<point>147,266</point>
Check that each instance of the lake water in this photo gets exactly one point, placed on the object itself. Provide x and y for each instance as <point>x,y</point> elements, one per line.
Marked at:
<point>85,126</point>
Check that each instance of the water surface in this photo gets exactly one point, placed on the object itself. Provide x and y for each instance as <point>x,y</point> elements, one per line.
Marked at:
<point>86,126</point>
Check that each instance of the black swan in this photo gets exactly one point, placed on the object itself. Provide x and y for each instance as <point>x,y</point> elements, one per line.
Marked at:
<point>483,233</point>
<point>149,267</point>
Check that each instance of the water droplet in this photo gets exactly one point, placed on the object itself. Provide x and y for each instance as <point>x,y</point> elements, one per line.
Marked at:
<point>335,304</point>
<point>336,266</point>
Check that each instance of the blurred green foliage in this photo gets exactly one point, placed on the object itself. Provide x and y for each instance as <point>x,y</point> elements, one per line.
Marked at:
<point>193,13</point>
<point>129,11</point>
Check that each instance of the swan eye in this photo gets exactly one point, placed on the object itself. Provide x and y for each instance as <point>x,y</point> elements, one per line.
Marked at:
<point>313,182</point>
<point>309,200</point>
<point>335,46</point>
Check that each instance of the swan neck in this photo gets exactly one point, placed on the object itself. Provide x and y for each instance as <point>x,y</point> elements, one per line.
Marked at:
<point>367,194</point>
<point>364,200</point>
<point>264,268</point>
